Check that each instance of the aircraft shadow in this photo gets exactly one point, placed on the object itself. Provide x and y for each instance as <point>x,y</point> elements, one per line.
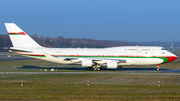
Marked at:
<point>60,68</point>
<point>83,68</point>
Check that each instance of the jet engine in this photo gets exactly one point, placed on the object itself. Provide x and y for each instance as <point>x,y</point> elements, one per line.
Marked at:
<point>86,63</point>
<point>112,64</point>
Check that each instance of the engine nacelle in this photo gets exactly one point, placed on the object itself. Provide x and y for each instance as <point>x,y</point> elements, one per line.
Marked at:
<point>112,64</point>
<point>86,63</point>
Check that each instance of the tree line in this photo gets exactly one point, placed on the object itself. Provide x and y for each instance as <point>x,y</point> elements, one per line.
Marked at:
<point>61,42</point>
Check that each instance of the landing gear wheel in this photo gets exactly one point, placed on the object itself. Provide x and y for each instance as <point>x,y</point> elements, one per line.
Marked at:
<point>96,67</point>
<point>89,68</point>
<point>158,67</point>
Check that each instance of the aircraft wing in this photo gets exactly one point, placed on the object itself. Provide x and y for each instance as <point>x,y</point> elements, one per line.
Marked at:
<point>95,60</point>
<point>73,59</point>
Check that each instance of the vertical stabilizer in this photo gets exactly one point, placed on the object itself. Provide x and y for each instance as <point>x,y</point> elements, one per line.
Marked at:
<point>19,38</point>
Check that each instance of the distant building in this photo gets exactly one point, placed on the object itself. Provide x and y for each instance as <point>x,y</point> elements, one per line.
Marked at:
<point>171,45</point>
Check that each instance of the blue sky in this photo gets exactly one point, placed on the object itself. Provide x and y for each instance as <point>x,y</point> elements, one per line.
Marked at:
<point>126,20</point>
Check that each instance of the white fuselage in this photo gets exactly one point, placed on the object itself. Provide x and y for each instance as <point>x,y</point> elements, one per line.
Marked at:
<point>129,55</point>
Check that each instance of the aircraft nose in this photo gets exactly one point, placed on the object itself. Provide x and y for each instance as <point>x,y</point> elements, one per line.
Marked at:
<point>171,58</point>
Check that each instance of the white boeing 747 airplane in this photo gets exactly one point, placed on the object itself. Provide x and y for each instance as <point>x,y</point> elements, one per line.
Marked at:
<point>92,58</point>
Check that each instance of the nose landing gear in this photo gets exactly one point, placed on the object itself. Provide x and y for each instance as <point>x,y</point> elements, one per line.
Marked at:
<point>158,67</point>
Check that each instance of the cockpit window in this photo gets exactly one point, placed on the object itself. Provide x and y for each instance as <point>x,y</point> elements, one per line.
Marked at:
<point>162,48</point>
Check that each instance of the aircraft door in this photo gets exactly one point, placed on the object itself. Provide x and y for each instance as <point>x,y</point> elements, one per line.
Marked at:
<point>138,49</point>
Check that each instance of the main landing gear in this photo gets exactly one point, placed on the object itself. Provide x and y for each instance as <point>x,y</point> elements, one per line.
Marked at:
<point>158,67</point>
<point>95,67</point>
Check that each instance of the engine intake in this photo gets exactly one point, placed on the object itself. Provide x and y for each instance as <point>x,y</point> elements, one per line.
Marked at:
<point>86,63</point>
<point>112,64</point>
